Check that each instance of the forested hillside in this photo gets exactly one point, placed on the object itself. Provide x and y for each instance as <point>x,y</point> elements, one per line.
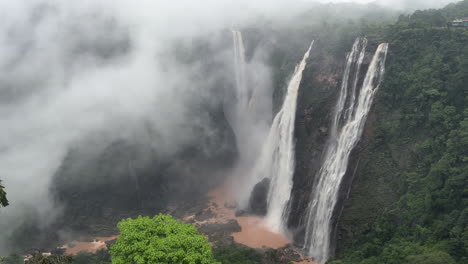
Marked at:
<point>418,151</point>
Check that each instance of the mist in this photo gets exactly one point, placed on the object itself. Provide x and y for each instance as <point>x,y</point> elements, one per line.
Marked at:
<point>91,72</point>
<point>86,74</point>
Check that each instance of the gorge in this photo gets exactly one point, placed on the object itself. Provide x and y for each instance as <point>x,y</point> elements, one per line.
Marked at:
<point>331,133</point>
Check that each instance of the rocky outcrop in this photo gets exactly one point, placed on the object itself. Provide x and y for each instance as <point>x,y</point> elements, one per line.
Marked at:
<point>220,233</point>
<point>259,199</point>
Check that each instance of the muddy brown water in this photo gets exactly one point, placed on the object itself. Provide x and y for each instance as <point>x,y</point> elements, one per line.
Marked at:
<point>255,233</point>
<point>76,247</point>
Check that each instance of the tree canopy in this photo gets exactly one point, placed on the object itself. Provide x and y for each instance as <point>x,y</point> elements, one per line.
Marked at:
<point>3,198</point>
<point>161,239</point>
<point>422,105</point>
<point>41,259</point>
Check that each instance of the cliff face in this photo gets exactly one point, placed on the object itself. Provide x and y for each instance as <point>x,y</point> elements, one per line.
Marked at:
<point>405,186</point>
<point>316,102</point>
<point>318,97</point>
<point>369,187</point>
<point>409,174</point>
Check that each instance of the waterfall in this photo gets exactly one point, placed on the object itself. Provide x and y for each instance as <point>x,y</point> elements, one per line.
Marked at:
<point>242,92</point>
<point>237,101</point>
<point>243,117</point>
<point>240,116</point>
<point>276,161</point>
<point>248,110</point>
<point>133,174</point>
<point>348,122</point>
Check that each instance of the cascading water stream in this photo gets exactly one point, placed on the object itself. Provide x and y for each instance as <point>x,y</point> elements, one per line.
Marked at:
<point>248,112</point>
<point>237,102</point>
<point>277,158</point>
<point>353,64</point>
<point>242,92</point>
<point>346,131</point>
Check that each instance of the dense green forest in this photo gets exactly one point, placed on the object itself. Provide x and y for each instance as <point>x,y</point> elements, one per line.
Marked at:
<point>423,126</point>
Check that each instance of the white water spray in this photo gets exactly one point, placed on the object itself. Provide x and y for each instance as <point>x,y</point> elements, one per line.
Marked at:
<point>245,105</point>
<point>249,113</point>
<point>237,102</point>
<point>243,94</point>
<point>277,158</point>
<point>347,127</point>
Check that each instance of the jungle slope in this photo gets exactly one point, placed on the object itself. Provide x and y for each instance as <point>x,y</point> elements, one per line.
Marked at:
<point>408,200</point>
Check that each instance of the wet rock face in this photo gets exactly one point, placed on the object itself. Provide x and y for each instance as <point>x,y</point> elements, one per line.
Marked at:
<point>258,199</point>
<point>317,98</point>
<point>316,104</point>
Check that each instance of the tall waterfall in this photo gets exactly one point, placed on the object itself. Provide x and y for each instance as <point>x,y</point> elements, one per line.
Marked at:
<point>277,158</point>
<point>347,125</point>
<point>248,111</point>
<point>238,101</point>
<point>242,92</point>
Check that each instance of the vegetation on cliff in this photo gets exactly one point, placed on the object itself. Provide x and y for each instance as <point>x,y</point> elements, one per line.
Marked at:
<point>232,255</point>
<point>422,132</point>
<point>3,198</point>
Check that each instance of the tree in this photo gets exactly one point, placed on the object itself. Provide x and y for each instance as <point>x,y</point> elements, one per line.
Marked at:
<point>3,199</point>
<point>437,257</point>
<point>161,239</point>
<point>231,255</point>
<point>12,259</point>
<point>101,256</point>
<point>42,259</point>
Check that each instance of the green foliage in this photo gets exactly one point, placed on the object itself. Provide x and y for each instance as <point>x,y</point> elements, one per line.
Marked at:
<point>102,256</point>
<point>435,17</point>
<point>161,239</point>
<point>3,198</point>
<point>40,259</point>
<point>230,255</point>
<point>437,257</point>
<point>12,259</point>
<point>423,104</point>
